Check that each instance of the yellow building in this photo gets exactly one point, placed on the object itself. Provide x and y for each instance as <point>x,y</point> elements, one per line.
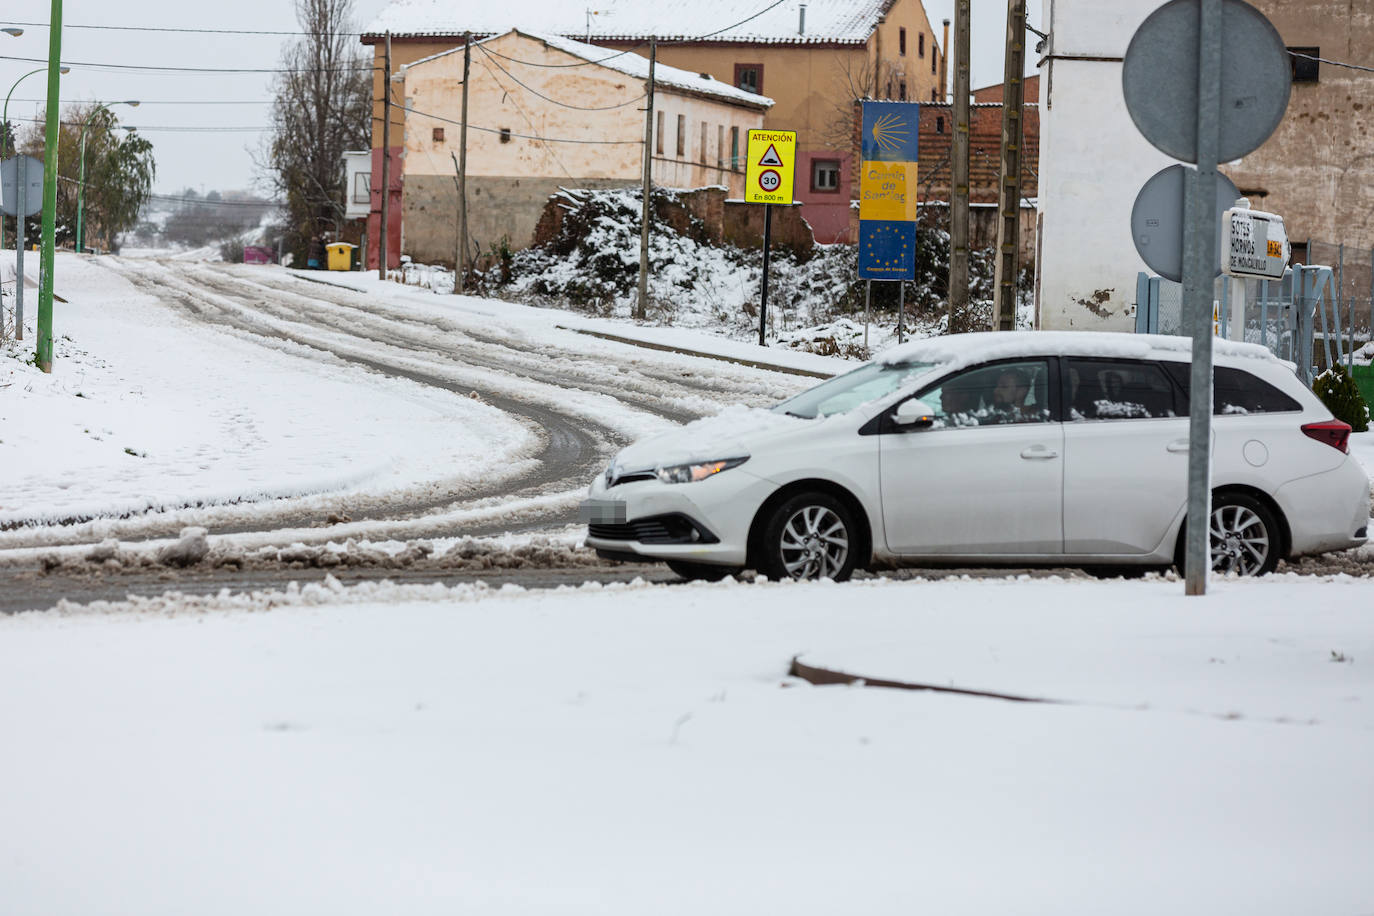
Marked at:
<point>814,59</point>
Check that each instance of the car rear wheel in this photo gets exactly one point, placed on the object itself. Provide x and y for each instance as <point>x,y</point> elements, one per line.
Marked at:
<point>700,572</point>
<point>810,536</point>
<point>1244,536</point>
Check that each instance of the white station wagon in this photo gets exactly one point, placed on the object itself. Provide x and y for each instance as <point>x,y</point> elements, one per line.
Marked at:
<point>1020,448</point>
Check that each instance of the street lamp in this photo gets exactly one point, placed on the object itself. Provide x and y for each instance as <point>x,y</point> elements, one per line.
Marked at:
<point>81,181</point>
<point>5,118</point>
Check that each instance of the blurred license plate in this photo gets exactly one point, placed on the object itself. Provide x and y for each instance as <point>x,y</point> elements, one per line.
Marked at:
<point>602,511</point>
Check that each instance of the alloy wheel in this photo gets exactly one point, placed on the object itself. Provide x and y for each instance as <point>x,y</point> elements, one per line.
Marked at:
<point>814,543</point>
<point>1241,541</point>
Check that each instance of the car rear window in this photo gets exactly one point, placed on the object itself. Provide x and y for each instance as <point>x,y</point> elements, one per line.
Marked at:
<point>1116,389</point>
<point>1237,392</point>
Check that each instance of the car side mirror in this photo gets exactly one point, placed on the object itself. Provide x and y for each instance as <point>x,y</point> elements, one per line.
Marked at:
<point>914,414</point>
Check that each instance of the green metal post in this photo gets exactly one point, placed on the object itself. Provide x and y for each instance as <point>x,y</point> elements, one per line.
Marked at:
<point>50,137</point>
<point>81,190</point>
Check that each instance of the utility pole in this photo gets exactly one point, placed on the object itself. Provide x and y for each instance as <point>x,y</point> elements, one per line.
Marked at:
<point>43,356</point>
<point>959,166</point>
<point>641,303</point>
<point>1009,196</point>
<point>460,264</point>
<point>386,158</point>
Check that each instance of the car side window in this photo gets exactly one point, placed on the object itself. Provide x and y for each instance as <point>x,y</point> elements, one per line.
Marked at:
<point>1237,392</point>
<point>1116,389</point>
<point>1009,392</point>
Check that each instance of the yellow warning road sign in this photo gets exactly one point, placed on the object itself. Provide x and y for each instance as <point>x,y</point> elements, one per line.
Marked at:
<point>771,158</point>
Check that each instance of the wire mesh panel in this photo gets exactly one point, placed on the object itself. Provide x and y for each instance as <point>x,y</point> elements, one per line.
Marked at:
<point>1352,293</point>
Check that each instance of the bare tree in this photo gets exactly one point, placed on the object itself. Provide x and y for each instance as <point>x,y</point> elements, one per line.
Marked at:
<point>322,107</point>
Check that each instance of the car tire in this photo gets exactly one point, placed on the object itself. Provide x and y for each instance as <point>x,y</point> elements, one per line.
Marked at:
<point>700,572</point>
<point>1244,537</point>
<point>809,536</point>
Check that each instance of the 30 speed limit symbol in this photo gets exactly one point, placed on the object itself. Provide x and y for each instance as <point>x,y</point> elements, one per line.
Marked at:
<point>770,180</point>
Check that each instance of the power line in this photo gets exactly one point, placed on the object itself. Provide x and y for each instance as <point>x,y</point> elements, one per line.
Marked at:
<point>1334,63</point>
<point>150,68</point>
<point>555,101</point>
<point>152,28</point>
<point>493,130</point>
<point>142,102</point>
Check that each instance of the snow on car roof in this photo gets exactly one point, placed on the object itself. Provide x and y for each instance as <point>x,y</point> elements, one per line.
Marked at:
<point>986,345</point>
<point>627,62</point>
<point>827,21</point>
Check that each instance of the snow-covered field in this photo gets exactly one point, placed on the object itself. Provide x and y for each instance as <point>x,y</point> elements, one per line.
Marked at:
<point>621,749</point>
<point>642,750</point>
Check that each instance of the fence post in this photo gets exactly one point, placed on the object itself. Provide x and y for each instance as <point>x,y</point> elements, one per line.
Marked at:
<point>1142,303</point>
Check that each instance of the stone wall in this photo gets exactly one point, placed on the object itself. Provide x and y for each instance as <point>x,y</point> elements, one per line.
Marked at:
<point>497,208</point>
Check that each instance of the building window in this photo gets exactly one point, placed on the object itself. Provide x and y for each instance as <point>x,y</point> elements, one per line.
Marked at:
<point>921,45</point>
<point>681,135</point>
<point>505,135</point>
<point>888,94</point>
<point>932,96</point>
<point>720,145</point>
<point>901,90</point>
<point>825,175</point>
<point>701,153</point>
<point>1304,68</point>
<point>734,148</point>
<point>749,77</point>
<point>901,41</point>
<point>362,187</point>
<point>438,135</point>
<point>933,56</point>
<point>939,122</point>
<point>658,134</point>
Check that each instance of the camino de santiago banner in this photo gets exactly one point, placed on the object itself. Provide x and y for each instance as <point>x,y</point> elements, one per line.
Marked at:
<point>887,191</point>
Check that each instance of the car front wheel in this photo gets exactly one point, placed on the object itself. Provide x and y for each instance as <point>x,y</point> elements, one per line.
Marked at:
<point>810,536</point>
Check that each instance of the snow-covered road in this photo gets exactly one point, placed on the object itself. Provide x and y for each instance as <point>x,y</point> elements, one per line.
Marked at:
<point>532,411</point>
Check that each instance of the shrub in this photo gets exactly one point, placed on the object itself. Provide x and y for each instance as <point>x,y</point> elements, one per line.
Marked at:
<point>1338,392</point>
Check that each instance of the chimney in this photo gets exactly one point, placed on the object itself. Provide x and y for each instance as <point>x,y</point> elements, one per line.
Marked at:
<point>944,62</point>
<point>801,21</point>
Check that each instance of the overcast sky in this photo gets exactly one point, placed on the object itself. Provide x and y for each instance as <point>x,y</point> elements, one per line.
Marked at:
<point>199,151</point>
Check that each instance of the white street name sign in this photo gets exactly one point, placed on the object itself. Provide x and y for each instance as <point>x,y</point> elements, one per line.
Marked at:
<point>1255,244</point>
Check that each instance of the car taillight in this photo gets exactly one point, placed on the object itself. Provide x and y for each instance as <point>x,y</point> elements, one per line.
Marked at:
<point>1333,433</point>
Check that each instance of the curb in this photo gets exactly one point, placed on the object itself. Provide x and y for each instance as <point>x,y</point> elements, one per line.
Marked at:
<point>668,348</point>
<point>825,676</point>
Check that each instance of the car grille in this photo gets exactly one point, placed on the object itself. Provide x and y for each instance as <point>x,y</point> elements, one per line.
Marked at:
<point>656,529</point>
<point>630,478</point>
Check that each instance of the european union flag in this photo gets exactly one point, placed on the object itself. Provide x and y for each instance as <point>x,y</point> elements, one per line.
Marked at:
<point>887,250</point>
<point>890,130</point>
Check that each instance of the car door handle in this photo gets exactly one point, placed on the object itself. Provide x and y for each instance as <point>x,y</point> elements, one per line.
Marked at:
<point>1178,445</point>
<point>1038,451</point>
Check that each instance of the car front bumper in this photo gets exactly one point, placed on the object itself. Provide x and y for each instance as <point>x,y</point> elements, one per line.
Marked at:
<point>703,522</point>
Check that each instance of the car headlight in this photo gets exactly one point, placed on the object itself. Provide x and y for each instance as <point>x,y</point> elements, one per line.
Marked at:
<point>690,473</point>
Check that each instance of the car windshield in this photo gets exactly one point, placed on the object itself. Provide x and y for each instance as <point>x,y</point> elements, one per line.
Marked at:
<point>843,393</point>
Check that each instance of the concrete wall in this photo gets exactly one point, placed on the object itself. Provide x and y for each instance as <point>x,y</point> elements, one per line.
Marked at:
<point>1093,162</point>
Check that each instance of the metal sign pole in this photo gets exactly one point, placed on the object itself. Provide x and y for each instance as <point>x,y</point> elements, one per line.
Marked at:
<point>763,296</point>
<point>901,307</point>
<point>868,292</point>
<point>1199,269</point>
<point>23,167</point>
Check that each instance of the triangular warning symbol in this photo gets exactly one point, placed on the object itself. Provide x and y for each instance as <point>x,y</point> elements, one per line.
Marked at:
<point>771,157</point>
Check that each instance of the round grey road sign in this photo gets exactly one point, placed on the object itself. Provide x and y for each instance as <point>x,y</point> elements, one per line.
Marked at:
<point>1157,219</point>
<point>9,185</point>
<point>1160,79</point>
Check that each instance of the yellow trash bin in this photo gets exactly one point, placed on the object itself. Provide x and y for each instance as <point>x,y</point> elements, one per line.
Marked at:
<point>341,255</point>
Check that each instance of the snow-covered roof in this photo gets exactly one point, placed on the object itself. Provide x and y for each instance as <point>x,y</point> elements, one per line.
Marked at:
<point>827,21</point>
<point>962,348</point>
<point>627,62</point>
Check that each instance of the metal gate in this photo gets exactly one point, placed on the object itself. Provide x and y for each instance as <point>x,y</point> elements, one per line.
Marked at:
<point>1297,318</point>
